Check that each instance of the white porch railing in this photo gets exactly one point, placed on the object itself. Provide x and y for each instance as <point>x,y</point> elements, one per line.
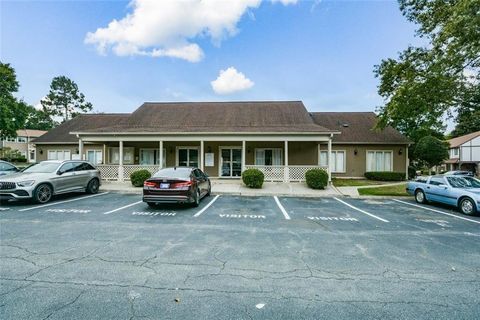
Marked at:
<point>284,173</point>
<point>111,171</point>
<point>272,173</point>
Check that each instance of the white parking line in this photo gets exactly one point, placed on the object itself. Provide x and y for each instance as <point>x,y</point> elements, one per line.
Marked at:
<point>206,207</point>
<point>438,211</point>
<point>60,202</point>
<point>4,209</point>
<point>285,214</point>
<point>124,207</point>
<point>360,210</point>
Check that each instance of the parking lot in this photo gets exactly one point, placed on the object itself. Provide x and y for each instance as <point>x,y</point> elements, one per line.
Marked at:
<point>110,256</point>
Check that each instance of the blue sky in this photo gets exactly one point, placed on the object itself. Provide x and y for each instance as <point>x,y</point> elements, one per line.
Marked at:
<point>321,53</point>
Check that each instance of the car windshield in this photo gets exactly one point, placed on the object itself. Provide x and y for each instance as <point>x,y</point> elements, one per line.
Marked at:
<point>42,167</point>
<point>464,182</point>
<point>174,173</point>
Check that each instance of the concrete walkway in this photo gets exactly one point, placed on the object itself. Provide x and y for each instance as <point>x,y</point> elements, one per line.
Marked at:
<point>236,187</point>
<point>353,191</point>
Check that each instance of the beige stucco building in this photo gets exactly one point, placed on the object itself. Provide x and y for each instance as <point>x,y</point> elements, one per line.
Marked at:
<point>23,143</point>
<point>282,139</point>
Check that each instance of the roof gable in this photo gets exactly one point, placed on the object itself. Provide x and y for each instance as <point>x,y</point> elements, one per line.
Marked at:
<point>458,141</point>
<point>357,127</point>
<point>218,117</point>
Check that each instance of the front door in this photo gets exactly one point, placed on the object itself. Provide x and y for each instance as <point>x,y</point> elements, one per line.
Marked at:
<point>230,162</point>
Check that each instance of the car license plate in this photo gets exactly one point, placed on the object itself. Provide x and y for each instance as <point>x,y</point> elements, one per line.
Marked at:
<point>164,185</point>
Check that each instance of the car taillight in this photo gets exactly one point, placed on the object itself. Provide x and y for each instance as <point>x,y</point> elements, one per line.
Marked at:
<point>182,185</point>
<point>149,184</point>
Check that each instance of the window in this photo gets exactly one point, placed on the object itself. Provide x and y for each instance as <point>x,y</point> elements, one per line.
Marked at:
<point>455,152</point>
<point>95,156</point>
<point>114,155</point>
<point>67,167</point>
<point>269,157</point>
<point>379,160</point>
<point>436,181</point>
<point>338,160</point>
<point>7,167</point>
<point>11,139</point>
<point>187,157</point>
<point>32,155</point>
<point>152,156</point>
<point>83,166</point>
<point>59,155</point>
<point>22,139</point>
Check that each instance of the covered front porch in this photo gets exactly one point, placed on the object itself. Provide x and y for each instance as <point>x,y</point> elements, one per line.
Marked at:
<point>281,159</point>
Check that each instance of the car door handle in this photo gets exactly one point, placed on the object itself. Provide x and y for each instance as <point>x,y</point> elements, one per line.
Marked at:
<point>428,187</point>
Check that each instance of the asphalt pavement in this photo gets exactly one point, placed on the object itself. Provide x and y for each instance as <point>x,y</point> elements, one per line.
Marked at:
<point>110,256</point>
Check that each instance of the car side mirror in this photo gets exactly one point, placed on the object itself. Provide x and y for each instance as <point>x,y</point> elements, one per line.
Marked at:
<point>59,172</point>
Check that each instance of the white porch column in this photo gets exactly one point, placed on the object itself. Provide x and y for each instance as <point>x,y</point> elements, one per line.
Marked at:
<point>160,154</point>
<point>330,159</point>
<point>202,155</point>
<point>120,161</point>
<point>286,171</point>
<point>80,148</point>
<point>244,146</point>
<point>104,154</point>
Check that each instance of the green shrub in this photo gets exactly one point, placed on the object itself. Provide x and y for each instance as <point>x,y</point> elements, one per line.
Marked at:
<point>138,177</point>
<point>253,178</point>
<point>385,176</point>
<point>316,178</point>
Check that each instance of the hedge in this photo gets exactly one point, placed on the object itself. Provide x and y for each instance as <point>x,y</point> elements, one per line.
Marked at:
<point>138,177</point>
<point>385,176</point>
<point>316,178</point>
<point>253,178</point>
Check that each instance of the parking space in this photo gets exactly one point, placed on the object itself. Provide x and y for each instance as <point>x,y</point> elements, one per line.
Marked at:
<point>111,250</point>
<point>330,214</point>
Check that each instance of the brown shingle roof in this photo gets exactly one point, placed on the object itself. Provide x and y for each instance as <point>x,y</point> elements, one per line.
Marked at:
<point>61,134</point>
<point>224,117</point>
<point>458,141</point>
<point>30,133</point>
<point>357,127</point>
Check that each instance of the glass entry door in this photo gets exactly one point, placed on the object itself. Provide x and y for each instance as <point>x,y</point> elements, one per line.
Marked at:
<point>230,162</point>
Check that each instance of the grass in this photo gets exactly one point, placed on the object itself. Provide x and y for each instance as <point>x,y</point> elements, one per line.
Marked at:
<point>395,191</point>
<point>355,182</point>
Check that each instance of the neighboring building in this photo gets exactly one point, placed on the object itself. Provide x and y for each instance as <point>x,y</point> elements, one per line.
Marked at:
<point>464,153</point>
<point>23,143</point>
<point>224,138</point>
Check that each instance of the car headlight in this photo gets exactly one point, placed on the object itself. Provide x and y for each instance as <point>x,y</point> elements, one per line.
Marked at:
<point>26,183</point>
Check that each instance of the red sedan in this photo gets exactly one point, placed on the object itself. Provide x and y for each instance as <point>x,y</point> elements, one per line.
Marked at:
<point>176,185</point>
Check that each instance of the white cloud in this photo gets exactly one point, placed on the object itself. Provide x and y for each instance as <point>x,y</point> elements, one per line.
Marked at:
<point>161,28</point>
<point>230,81</point>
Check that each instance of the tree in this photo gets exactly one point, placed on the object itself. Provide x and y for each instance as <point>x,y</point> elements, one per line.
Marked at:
<point>431,151</point>
<point>424,85</point>
<point>468,116</point>
<point>64,99</point>
<point>39,120</point>
<point>12,112</point>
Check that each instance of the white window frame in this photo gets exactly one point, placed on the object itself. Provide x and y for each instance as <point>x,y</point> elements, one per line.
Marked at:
<point>21,137</point>
<point>455,152</point>
<point>56,154</point>
<point>96,151</point>
<point>334,160</point>
<point>125,151</point>
<point>157,150</point>
<point>220,161</point>
<point>188,154</point>
<point>383,151</point>
<point>272,149</point>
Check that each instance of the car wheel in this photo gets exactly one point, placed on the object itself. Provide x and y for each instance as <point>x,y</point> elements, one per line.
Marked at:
<point>467,206</point>
<point>152,204</point>
<point>196,202</point>
<point>93,186</point>
<point>43,193</point>
<point>420,196</point>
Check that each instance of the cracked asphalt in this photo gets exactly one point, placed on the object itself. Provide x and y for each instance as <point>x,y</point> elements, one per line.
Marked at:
<point>240,258</point>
